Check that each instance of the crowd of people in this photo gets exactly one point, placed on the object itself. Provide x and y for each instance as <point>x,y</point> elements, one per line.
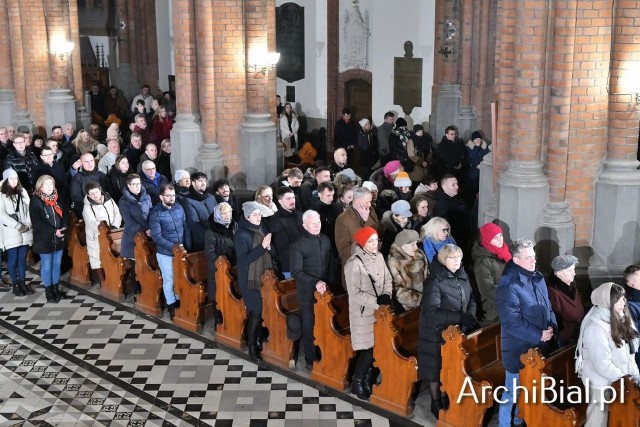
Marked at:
<point>389,221</point>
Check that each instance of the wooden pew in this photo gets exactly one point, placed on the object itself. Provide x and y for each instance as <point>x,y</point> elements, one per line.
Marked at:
<point>625,414</point>
<point>332,335</point>
<point>234,314</point>
<point>77,246</point>
<point>395,353</point>
<point>148,274</point>
<point>475,358</point>
<point>109,240</point>
<point>278,299</point>
<point>561,366</point>
<point>189,282</point>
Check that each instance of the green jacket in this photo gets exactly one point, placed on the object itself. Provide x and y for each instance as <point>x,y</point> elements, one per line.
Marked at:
<point>488,270</point>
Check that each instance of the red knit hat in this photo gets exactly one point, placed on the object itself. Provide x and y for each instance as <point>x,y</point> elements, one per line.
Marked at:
<point>361,236</point>
<point>489,231</point>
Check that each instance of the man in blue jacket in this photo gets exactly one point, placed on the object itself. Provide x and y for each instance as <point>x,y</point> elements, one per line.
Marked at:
<point>526,317</point>
<point>198,205</point>
<point>169,227</point>
<point>632,279</point>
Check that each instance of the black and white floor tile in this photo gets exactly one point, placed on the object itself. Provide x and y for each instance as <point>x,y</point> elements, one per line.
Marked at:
<point>84,362</point>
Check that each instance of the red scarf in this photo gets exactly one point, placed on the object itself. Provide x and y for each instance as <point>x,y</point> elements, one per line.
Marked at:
<point>487,233</point>
<point>52,201</point>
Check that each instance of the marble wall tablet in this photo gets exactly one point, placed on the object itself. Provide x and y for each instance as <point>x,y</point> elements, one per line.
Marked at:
<point>290,41</point>
<point>407,83</point>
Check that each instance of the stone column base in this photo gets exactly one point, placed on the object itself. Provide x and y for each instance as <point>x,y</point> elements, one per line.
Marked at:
<point>616,218</point>
<point>59,108</point>
<point>523,192</point>
<point>556,235</point>
<point>486,195</point>
<point>258,150</point>
<point>23,118</point>
<point>186,139</point>
<point>210,160</point>
<point>466,122</point>
<point>84,118</point>
<point>7,106</point>
<point>447,110</point>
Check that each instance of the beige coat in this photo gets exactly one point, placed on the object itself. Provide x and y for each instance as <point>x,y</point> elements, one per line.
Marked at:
<point>93,214</point>
<point>362,297</point>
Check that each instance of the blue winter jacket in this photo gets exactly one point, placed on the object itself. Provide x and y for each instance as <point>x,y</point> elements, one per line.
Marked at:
<point>169,227</point>
<point>135,214</point>
<point>198,213</point>
<point>525,311</point>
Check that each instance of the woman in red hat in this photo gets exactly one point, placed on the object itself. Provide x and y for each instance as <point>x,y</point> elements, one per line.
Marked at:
<point>369,285</point>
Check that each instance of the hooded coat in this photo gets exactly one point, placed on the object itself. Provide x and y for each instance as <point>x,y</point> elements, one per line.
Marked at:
<point>135,212</point>
<point>93,214</point>
<point>447,296</point>
<point>18,206</point>
<point>362,296</point>
<point>408,274</point>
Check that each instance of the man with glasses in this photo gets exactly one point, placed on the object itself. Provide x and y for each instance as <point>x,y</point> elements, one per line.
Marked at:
<point>48,166</point>
<point>169,227</point>
<point>23,161</point>
<point>526,317</point>
<point>152,181</point>
<point>88,172</point>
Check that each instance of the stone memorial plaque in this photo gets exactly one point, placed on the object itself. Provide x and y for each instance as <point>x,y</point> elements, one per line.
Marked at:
<point>407,80</point>
<point>290,41</point>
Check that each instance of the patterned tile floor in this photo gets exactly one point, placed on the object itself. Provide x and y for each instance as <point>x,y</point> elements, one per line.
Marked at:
<point>85,362</point>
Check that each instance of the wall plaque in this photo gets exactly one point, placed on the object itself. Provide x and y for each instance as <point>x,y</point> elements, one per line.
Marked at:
<point>290,41</point>
<point>407,80</point>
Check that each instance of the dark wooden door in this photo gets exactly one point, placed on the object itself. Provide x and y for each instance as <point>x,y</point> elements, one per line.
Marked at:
<point>358,98</point>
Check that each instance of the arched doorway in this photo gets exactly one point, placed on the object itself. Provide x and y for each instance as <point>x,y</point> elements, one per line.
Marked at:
<point>357,95</point>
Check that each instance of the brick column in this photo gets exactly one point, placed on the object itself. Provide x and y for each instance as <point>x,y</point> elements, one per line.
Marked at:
<point>7,92</point>
<point>617,202</point>
<point>466,115</point>
<point>186,135</point>
<point>558,228</point>
<point>84,118</point>
<point>523,188</point>
<point>210,159</point>
<point>258,134</point>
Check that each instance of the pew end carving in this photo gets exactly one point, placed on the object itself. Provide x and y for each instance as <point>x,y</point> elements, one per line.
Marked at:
<point>77,246</point>
<point>234,314</point>
<point>112,263</point>
<point>189,275</point>
<point>148,274</point>
<point>625,412</point>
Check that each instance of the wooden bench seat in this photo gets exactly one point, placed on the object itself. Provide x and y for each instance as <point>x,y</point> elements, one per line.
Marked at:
<point>234,314</point>
<point>472,363</point>
<point>189,282</point>
<point>395,355</point>
<point>77,246</point>
<point>561,366</point>
<point>332,334</point>
<point>109,240</point>
<point>279,298</point>
<point>148,274</point>
<point>625,412</point>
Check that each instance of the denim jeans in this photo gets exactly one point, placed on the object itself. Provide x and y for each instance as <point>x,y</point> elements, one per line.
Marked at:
<point>504,414</point>
<point>287,275</point>
<point>17,262</point>
<point>165,262</point>
<point>50,268</point>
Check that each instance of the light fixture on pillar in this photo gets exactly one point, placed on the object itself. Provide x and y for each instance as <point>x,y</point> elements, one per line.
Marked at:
<point>61,47</point>
<point>629,82</point>
<point>262,61</point>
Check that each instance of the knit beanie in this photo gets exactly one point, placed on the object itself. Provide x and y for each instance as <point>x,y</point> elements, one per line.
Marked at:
<point>362,235</point>
<point>475,135</point>
<point>402,180</point>
<point>9,173</point>
<point>391,167</point>
<point>181,174</point>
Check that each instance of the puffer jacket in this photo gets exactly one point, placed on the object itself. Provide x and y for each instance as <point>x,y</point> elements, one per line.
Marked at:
<point>93,214</point>
<point>14,205</point>
<point>198,208</point>
<point>135,213</point>
<point>24,165</point>
<point>362,296</point>
<point>488,270</point>
<point>169,227</point>
<point>408,274</point>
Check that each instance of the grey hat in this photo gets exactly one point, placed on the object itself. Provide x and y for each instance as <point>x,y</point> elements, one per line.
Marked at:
<point>249,207</point>
<point>349,173</point>
<point>9,173</point>
<point>401,208</point>
<point>562,262</point>
<point>370,186</point>
<point>407,236</point>
<point>181,174</point>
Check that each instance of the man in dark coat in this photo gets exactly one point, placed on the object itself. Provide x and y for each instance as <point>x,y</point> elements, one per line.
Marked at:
<point>311,266</point>
<point>198,206</point>
<point>152,181</point>
<point>169,227</point>
<point>345,131</point>
<point>23,161</point>
<point>384,130</point>
<point>55,170</point>
<point>88,172</point>
<point>526,318</point>
<point>450,206</point>
<point>222,192</point>
<point>134,151</point>
<point>451,154</point>
<point>286,226</point>
<point>309,189</point>
<point>632,279</point>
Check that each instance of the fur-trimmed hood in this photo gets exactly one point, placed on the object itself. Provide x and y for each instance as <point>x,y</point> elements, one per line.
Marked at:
<point>483,145</point>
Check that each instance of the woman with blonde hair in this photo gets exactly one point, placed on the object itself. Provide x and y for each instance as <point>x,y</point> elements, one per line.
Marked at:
<point>162,123</point>
<point>264,196</point>
<point>85,143</point>
<point>434,235</point>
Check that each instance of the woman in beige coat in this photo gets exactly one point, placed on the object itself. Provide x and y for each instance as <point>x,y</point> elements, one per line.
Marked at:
<point>368,285</point>
<point>98,207</point>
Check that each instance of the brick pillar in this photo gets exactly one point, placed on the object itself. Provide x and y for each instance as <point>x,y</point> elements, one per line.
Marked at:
<point>7,92</point>
<point>466,116</point>
<point>84,118</point>
<point>557,230</point>
<point>210,159</point>
<point>258,133</point>
<point>186,135</point>
<point>446,93</point>
<point>617,201</point>
<point>523,188</point>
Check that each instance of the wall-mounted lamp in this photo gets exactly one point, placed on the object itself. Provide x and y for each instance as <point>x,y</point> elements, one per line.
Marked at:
<point>61,47</point>
<point>263,61</point>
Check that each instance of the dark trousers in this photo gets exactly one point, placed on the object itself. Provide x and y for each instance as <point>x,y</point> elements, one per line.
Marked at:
<point>307,317</point>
